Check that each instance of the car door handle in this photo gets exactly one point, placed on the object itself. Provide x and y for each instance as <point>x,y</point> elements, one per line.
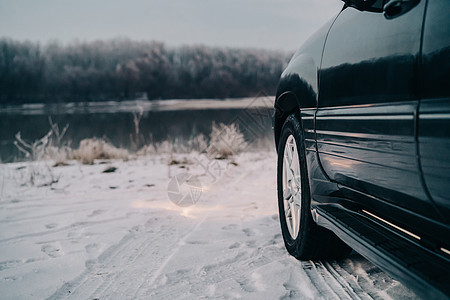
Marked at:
<point>396,8</point>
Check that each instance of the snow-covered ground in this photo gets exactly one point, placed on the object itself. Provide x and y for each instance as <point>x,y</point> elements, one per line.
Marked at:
<point>117,235</point>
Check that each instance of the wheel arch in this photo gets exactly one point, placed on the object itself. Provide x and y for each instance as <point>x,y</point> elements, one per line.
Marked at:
<point>294,94</point>
<point>285,104</point>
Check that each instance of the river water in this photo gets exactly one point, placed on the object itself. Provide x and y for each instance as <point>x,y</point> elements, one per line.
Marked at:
<point>173,120</point>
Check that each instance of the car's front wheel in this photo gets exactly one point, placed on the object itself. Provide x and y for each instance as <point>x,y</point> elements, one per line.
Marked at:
<point>302,237</point>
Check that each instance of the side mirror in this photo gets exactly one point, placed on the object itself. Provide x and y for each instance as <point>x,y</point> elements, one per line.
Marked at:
<point>395,8</point>
<point>365,5</point>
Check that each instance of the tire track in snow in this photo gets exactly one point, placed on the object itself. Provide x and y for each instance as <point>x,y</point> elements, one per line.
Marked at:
<point>372,280</point>
<point>146,261</point>
<point>231,272</point>
<point>358,284</point>
<point>122,263</point>
<point>353,291</point>
<point>318,281</point>
<point>231,269</point>
<point>232,266</point>
<point>150,282</point>
<point>92,278</point>
<point>332,281</point>
<point>127,255</point>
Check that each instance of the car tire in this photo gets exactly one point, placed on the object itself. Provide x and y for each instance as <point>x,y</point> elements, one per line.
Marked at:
<point>303,238</point>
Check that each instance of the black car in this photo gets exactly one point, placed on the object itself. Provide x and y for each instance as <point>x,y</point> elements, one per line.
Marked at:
<point>362,129</point>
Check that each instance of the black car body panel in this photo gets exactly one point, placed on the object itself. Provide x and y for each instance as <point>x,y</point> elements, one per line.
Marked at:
<point>434,110</point>
<point>373,92</point>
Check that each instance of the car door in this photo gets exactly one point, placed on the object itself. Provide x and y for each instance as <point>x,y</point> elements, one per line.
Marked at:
<point>434,111</point>
<point>368,99</point>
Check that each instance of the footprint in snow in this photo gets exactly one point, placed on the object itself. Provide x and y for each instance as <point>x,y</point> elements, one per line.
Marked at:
<point>234,245</point>
<point>251,244</point>
<point>8,264</point>
<point>176,276</point>
<point>230,227</point>
<point>91,248</point>
<point>96,212</point>
<point>249,232</point>
<point>53,250</point>
<point>51,225</point>
<point>247,285</point>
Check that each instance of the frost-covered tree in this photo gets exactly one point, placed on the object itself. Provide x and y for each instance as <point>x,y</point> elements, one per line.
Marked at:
<point>125,69</point>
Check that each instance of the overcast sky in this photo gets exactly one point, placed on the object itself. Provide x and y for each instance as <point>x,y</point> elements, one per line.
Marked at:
<point>272,24</point>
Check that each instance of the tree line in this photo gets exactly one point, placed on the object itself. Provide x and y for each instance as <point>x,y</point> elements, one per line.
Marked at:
<point>124,69</point>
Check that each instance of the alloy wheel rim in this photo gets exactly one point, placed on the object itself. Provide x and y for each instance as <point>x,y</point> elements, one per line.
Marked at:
<point>292,189</point>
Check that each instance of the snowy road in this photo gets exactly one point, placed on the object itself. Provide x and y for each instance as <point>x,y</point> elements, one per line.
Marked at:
<point>118,236</point>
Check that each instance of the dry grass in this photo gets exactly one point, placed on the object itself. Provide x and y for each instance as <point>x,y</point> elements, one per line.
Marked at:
<point>92,149</point>
<point>226,141</point>
<point>198,143</point>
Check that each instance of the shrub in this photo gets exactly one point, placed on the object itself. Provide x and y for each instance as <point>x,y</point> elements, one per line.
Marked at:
<point>226,140</point>
<point>91,149</point>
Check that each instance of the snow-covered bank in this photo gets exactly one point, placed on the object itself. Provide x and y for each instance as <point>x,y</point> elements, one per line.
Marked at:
<point>117,235</point>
